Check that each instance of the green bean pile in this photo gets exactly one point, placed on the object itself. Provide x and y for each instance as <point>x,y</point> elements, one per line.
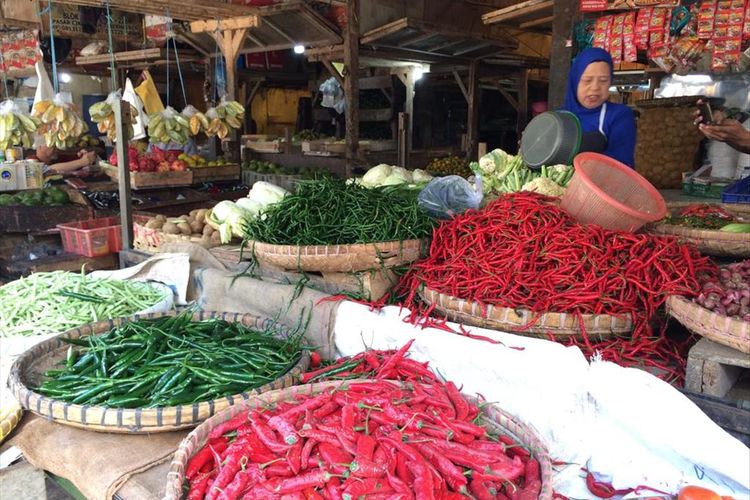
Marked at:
<point>331,212</point>
<point>169,361</point>
<point>53,302</point>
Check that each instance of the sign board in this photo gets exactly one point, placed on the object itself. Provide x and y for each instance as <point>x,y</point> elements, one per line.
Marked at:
<point>69,23</point>
<point>601,5</point>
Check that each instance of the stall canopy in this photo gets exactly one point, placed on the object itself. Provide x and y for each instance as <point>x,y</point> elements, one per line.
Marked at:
<point>531,14</point>
<point>280,26</point>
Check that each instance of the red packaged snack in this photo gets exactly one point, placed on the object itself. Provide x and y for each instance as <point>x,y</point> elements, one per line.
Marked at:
<point>658,19</point>
<point>706,16</point>
<point>601,32</point>
<point>746,29</point>
<point>641,27</point>
<point>630,51</point>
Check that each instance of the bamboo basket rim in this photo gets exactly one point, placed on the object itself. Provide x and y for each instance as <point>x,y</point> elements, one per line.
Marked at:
<point>723,329</point>
<point>495,417</point>
<point>706,235</point>
<point>11,420</point>
<point>188,415</point>
<point>339,258</point>
<point>335,249</point>
<point>470,312</point>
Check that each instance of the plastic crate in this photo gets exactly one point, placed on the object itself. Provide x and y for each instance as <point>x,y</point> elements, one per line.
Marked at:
<point>703,190</point>
<point>739,192</point>
<point>288,182</point>
<point>92,238</point>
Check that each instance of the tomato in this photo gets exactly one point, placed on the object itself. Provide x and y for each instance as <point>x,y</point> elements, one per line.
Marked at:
<point>697,493</point>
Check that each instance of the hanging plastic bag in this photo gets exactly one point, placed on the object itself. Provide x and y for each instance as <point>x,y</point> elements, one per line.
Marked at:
<point>445,197</point>
<point>168,126</point>
<point>61,124</point>
<point>44,89</point>
<point>17,127</point>
<point>102,113</point>
<point>226,116</point>
<point>333,95</point>
<point>139,118</point>
<point>197,120</point>
<point>149,95</point>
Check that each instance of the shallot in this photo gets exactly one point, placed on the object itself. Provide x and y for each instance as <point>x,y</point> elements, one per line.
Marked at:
<point>728,293</point>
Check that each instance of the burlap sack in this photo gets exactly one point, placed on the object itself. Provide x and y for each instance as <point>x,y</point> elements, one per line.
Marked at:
<point>98,464</point>
<point>293,304</point>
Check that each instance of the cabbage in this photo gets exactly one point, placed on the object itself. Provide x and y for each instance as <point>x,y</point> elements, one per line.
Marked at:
<point>543,185</point>
<point>231,219</point>
<point>421,176</point>
<point>266,193</point>
<point>376,175</point>
<point>494,161</point>
<point>252,206</point>
<point>403,173</point>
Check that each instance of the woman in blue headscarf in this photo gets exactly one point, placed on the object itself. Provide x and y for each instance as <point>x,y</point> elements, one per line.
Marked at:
<point>608,127</point>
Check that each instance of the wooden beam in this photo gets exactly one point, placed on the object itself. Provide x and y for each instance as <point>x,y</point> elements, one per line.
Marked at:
<point>278,30</point>
<point>523,101</point>
<point>471,49</point>
<point>512,100</point>
<point>131,55</point>
<point>230,42</point>
<point>251,95</point>
<point>472,127</point>
<point>536,22</point>
<point>351,84</point>
<point>417,39</point>
<point>188,11</point>
<point>328,65</point>
<point>409,110</point>
<point>224,24</point>
<point>461,85</point>
<point>561,51</point>
<point>517,10</point>
<point>385,30</point>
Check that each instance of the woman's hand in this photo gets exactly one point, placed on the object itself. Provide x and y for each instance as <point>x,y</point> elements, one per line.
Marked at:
<point>89,157</point>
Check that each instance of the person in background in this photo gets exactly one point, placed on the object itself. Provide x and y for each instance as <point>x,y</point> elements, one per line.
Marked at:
<point>724,129</point>
<point>608,128</point>
<point>60,163</point>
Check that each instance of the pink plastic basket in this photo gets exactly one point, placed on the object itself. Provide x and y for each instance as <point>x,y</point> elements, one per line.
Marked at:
<point>603,191</point>
<point>92,238</point>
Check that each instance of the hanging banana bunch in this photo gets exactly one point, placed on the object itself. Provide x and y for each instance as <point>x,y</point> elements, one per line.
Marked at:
<point>168,126</point>
<point>226,116</point>
<point>16,128</point>
<point>60,124</point>
<point>197,120</point>
<point>104,116</point>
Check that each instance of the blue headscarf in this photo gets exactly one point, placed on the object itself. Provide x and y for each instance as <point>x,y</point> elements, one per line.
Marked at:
<point>619,122</point>
<point>579,66</point>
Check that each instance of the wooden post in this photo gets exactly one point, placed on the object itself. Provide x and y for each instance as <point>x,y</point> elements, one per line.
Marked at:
<point>409,110</point>
<point>230,43</point>
<point>351,83</point>
<point>562,50</point>
<point>122,127</point>
<point>403,134</point>
<point>472,127</point>
<point>523,101</point>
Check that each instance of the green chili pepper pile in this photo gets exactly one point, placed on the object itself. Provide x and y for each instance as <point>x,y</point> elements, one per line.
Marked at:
<point>53,302</point>
<point>169,361</point>
<point>331,212</point>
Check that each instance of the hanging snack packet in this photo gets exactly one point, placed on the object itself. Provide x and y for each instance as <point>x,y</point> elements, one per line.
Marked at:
<point>641,28</point>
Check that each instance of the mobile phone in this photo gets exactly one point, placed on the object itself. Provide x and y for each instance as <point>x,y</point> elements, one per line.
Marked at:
<point>706,113</point>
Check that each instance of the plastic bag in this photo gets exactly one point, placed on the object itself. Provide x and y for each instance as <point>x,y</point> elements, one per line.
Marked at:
<point>17,127</point>
<point>140,119</point>
<point>445,197</point>
<point>44,89</point>
<point>333,95</point>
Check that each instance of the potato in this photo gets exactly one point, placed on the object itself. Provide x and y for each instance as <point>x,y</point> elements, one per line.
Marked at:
<point>197,227</point>
<point>205,239</point>
<point>162,218</point>
<point>200,216</point>
<point>193,212</point>
<point>154,224</point>
<point>170,228</point>
<point>208,230</point>
<point>185,228</point>
<point>216,237</point>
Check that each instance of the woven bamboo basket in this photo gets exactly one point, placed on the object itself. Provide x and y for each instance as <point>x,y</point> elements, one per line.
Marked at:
<point>10,416</point>
<point>340,258</point>
<point>560,325</point>
<point>27,371</point>
<point>731,332</point>
<point>710,241</point>
<point>493,418</point>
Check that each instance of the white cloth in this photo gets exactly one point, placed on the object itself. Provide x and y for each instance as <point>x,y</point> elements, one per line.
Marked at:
<point>625,423</point>
<point>140,120</point>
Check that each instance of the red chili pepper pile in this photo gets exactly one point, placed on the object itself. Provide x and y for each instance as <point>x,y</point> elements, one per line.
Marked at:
<point>705,210</point>
<point>521,251</point>
<point>391,365</point>
<point>371,439</point>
